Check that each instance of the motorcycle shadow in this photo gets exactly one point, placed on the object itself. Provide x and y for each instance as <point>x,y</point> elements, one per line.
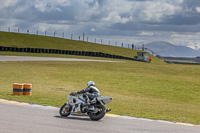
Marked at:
<point>74,118</point>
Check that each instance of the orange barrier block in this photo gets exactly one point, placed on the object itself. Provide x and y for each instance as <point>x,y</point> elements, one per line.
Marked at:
<point>18,89</point>
<point>27,89</point>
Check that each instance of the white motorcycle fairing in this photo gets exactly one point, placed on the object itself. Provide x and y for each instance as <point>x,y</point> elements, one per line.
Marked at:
<point>104,100</point>
<point>75,102</point>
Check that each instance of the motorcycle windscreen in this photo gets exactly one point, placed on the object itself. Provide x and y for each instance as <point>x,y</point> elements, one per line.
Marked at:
<point>104,100</point>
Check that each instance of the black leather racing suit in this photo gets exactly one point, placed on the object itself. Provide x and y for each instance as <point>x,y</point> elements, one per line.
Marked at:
<point>92,92</point>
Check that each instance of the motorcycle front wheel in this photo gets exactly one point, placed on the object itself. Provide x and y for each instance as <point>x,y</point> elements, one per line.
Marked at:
<point>99,115</point>
<point>65,110</point>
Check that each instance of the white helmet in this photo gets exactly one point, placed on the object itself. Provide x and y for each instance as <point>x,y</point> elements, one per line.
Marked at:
<point>90,83</point>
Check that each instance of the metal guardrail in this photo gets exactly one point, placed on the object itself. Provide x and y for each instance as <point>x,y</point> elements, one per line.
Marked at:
<point>159,56</point>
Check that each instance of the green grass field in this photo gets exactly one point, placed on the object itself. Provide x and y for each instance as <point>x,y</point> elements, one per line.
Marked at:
<point>149,90</point>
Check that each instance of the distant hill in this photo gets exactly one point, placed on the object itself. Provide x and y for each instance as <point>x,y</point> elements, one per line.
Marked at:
<point>168,49</point>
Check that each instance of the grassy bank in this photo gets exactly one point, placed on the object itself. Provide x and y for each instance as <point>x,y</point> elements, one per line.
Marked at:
<point>147,90</point>
<point>34,41</point>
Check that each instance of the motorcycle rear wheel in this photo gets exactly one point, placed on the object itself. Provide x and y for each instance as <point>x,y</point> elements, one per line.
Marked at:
<point>65,111</point>
<point>99,115</point>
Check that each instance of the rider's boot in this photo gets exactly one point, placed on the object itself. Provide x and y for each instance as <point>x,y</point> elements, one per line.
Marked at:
<point>91,107</point>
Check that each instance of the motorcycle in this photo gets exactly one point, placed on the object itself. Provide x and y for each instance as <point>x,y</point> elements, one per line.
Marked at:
<point>77,105</point>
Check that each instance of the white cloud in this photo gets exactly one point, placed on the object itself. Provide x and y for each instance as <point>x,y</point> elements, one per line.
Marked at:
<point>110,12</point>
<point>198,9</point>
<point>40,5</point>
<point>51,27</point>
<point>93,29</point>
<point>50,5</point>
<point>146,33</point>
<point>189,36</point>
<point>154,11</point>
<point>8,3</point>
<point>114,17</point>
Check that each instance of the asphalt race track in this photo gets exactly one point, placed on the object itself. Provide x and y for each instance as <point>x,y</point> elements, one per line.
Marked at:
<point>18,117</point>
<point>25,58</point>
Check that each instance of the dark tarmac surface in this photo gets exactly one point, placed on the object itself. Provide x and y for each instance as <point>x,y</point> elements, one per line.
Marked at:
<point>25,58</point>
<point>25,118</point>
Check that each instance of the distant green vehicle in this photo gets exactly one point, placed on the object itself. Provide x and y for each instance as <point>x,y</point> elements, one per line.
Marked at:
<point>143,56</point>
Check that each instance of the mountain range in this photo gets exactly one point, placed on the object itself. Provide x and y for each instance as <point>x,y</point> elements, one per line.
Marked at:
<point>170,50</point>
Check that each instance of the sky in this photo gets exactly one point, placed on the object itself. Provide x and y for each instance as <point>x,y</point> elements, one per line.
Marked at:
<point>113,21</point>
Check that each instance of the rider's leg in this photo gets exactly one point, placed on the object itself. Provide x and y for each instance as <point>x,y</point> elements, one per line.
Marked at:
<point>88,101</point>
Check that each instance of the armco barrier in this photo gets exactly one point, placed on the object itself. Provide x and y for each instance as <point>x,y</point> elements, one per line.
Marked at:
<point>58,51</point>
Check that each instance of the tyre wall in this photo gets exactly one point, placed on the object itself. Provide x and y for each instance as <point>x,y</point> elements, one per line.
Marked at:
<point>68,52</point>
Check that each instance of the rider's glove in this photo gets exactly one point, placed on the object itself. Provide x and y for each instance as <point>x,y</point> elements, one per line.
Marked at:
<point>73,93</point>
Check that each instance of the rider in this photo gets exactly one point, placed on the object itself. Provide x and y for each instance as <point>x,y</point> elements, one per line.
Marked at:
<point>93,92</point>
